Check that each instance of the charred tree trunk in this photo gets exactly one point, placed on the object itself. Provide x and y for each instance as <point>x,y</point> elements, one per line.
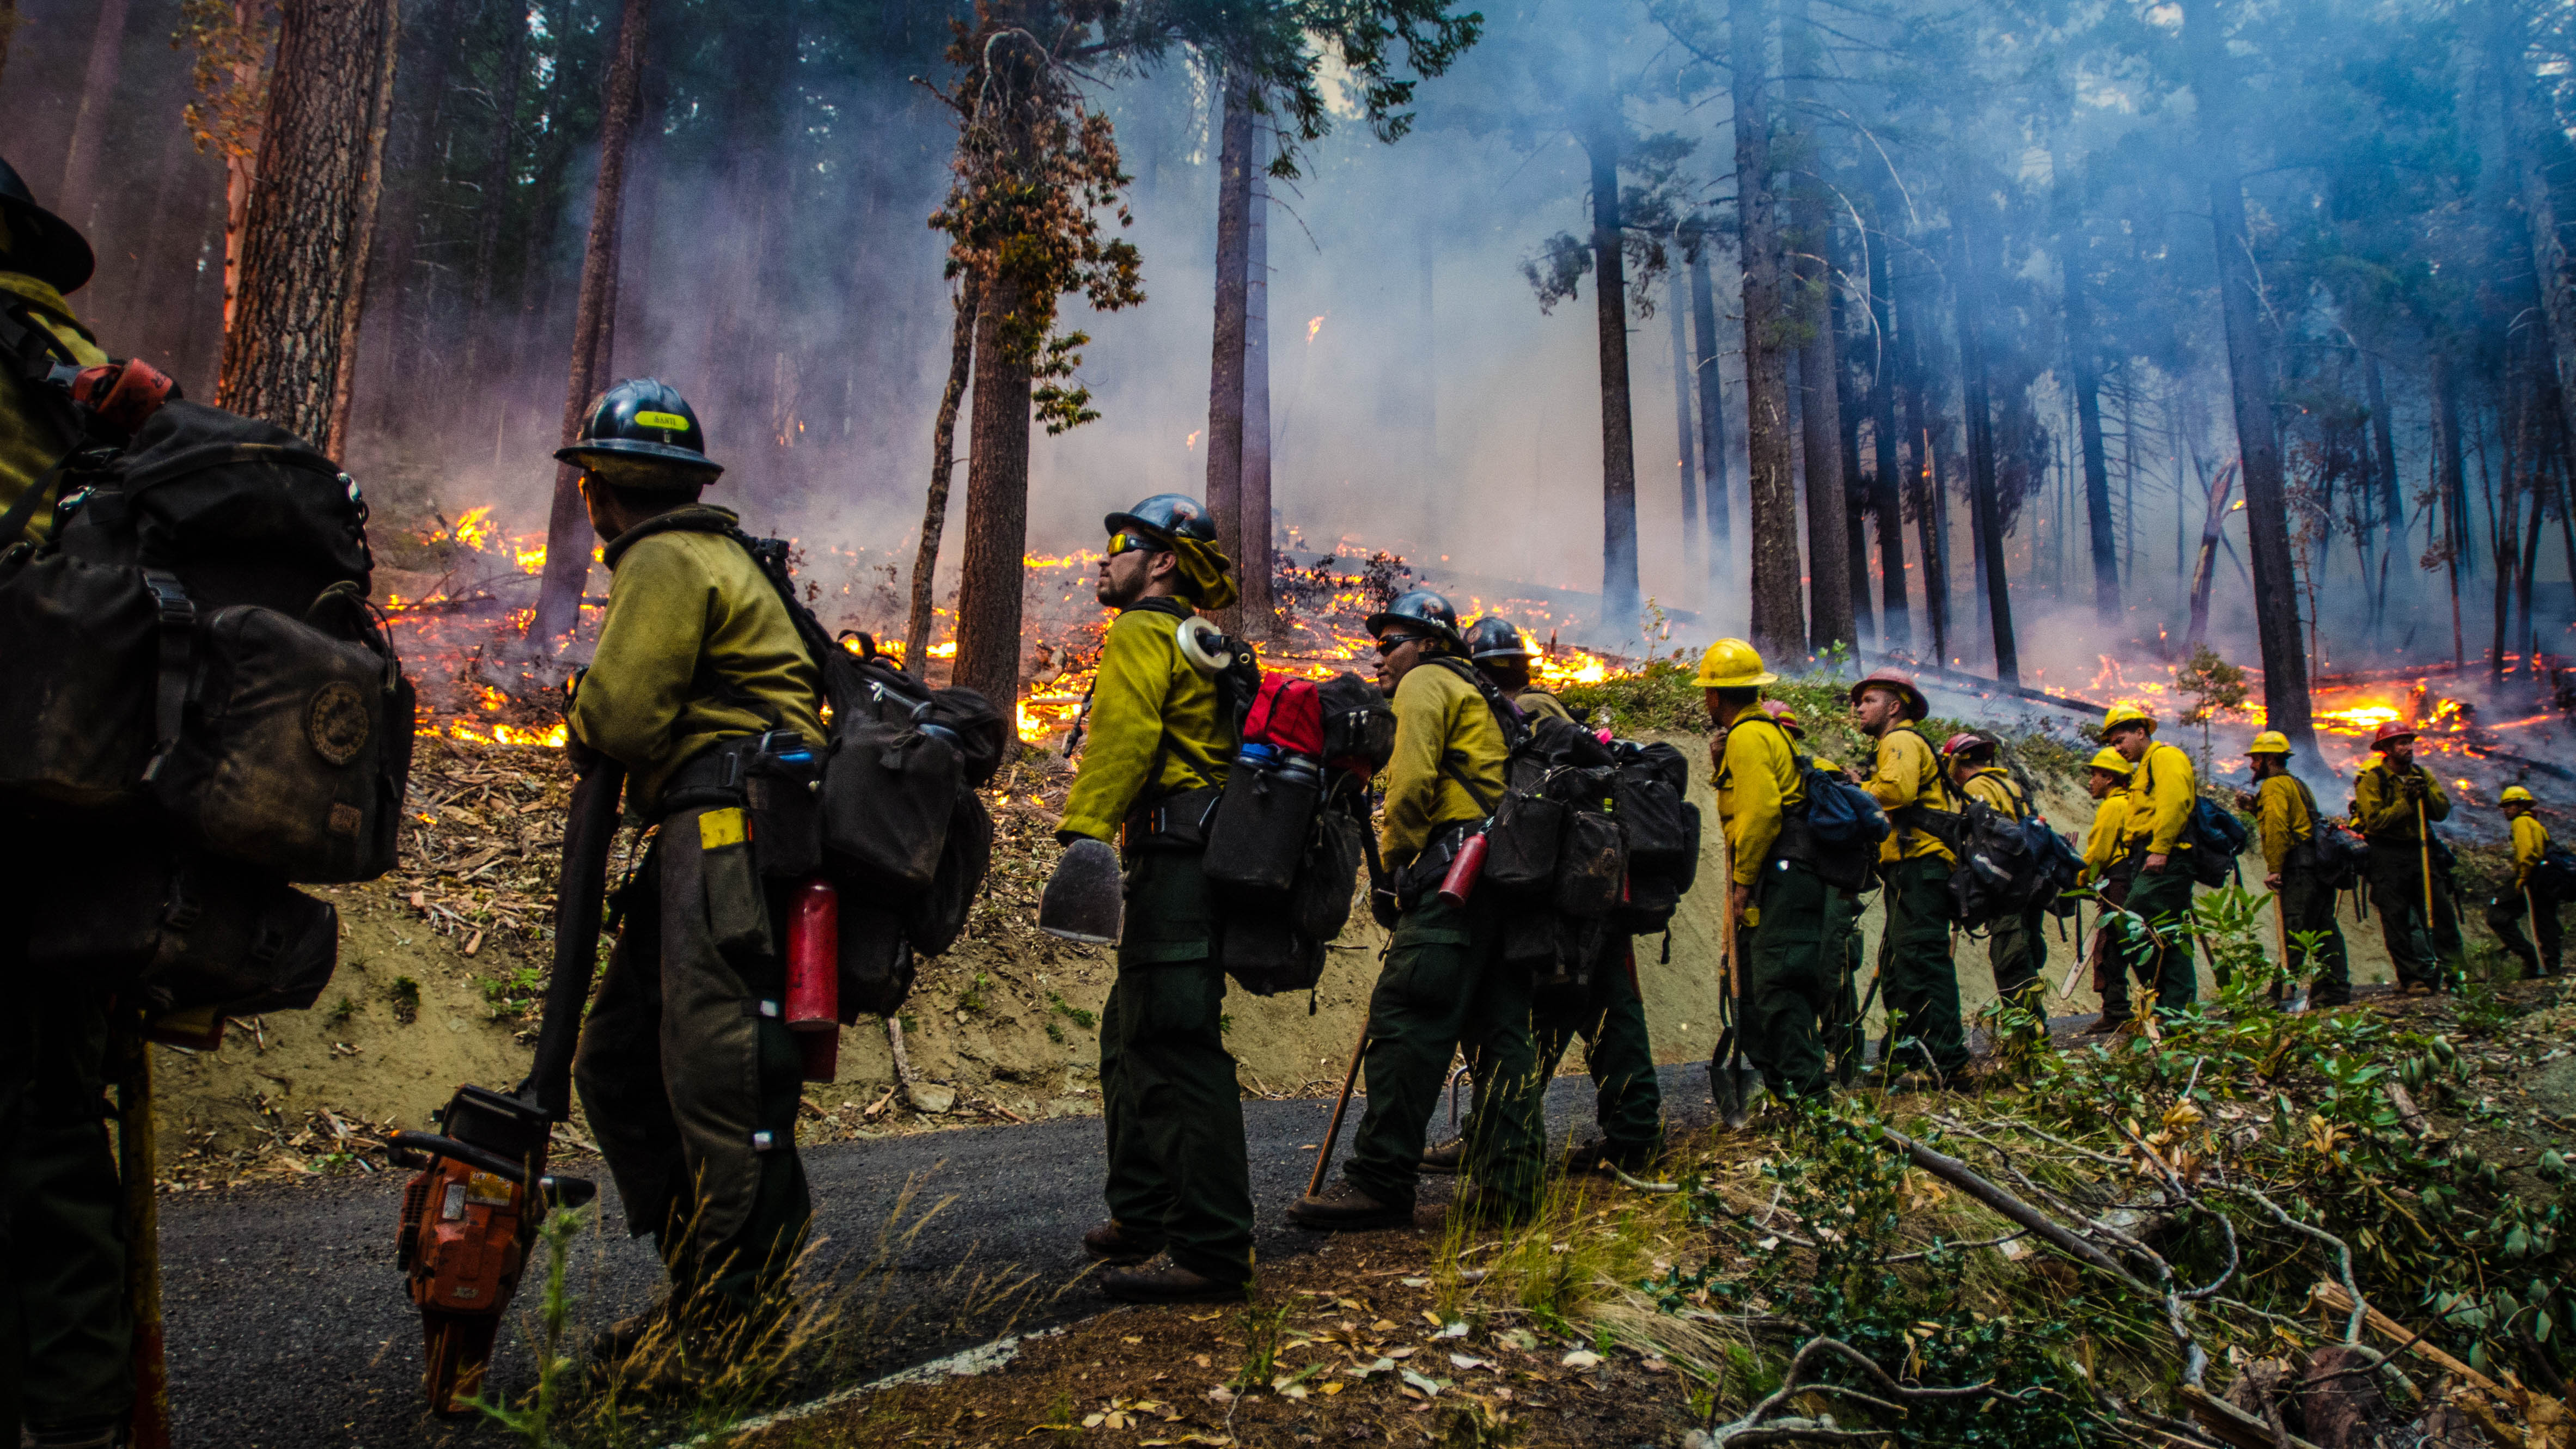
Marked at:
<point>344,378</point>
<point>77,196</point>
<point>1225,371</point>
<point>1685,442</point>
<point>2267,521</point>
<point>568,535</point>
<point>1260,612</point>
<point>1855,491</point>
<point>1987,504</point>
<point>1887,474</point>
<point>997,510</point>
<point>2392,497</point>
<point>943,467</point>
<point>2551,264</point>
<point>1621,597</point>
<point>492,204</point>
<point>2086,370</point>
<point>2448,485</point>
<point>403,355</point>
<point>241,169</point>
<point>1811,226</point>
<point>1925,475</point>
<point>1712,416</point>
<point>304,249</point>
<point>1779,619</point>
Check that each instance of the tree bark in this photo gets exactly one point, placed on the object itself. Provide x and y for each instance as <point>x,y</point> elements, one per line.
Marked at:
<point>2212,530</point>
<point>991,569</point>
<point>2086,369</point>
<point>2549,255</point>
<point>77,196</point>
<point>2276,599</point>
<point>1712,417</point>
<point>1967,211</point>
<point>1779,618</point>
<point>2392,497</point>
<point>1686,441</point>
<point>1925,473</point>
<point>2449,486</point>
<point>1260,612</point>
<point>1810,242</point>
<point>304,244</point>
<point>344,379</point>
<point>1887,499</point>
<point>493,203</point>
<point>1225,371</point>
<point>241,170</point>
<point>1855,490</point>
<point>1621,595</point>
<point>568,535</point>
<point>407,357</point>
<point>943,468</point>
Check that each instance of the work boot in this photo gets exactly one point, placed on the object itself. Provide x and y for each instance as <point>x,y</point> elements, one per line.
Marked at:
<point>1342,1208</point>
<point>1601,1157</point>
<point>2104,1025</point>
<point>1111,1243</point>
<point>1160,1280</point>
<point>1482,1207</point>
<point>1443,1160</point>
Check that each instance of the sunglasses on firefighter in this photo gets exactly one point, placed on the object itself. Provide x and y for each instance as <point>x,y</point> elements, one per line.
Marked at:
<point>1130,541</point>
<point>1389,643</point>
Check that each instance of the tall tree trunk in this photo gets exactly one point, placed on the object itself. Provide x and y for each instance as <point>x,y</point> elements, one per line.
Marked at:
<point>2504,544</point>
<point>1887,472</point>
<point>1260,613</point>
<point>2554,269</point>
<point>241,166</point>
<point>2267,520</point>
<point>568,535</point>
<point>1925,473</point>
<point>2449,486</point>
<point>943,467</point>
<point>991,570</point>
<point>1621,596</point>
<point>1986,504</point>
<point>1810,245</point>
<point>1855,492</point>
<point>405,298</point>
<point>1686,441</point>
<point>493,202</point>
<point>344,377</point>
<point>1712,416</point>
<point>78,196</point>
<point>2392,497</point>
<point>304,250</point>
<point>1225,371</point>
<point>1779,619</point>
<point>2086,358</point>
<point>2212,532</point>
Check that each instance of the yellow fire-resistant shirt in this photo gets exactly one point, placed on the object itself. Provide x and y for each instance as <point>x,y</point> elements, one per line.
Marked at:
<point>29,439</point>
<point>1909,774</point>
<point>696,648</point>
<point>1437,715</point>
<point>2102,842</point>
<point>2162,787</point>
<point>2380,809</point>
<point>2530,839</point>
<point>2282,810</point>
<point>1539,701</point>
<point>1145,694</point>
<point>1994,786</point>
<point>1757,784</point>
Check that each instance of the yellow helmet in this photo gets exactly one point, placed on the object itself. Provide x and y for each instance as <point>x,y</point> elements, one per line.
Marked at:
<point>2270,742</point>
<point>2111,762</point>
<point>2515,795</point>
<point>1732,664</point>
<point>2124,714</point>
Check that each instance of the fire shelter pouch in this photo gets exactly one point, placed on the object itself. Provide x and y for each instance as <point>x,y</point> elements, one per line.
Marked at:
<point>1320,904</point>
<point>1591,864</point>
<point>876,967</point>
<point>1650,815</point>
<point>76,647</point>
<point>1521,847</point>
<point>737,909</point>
<point>183,930</point>
<point>887,795</point>
<point>1261,826</point>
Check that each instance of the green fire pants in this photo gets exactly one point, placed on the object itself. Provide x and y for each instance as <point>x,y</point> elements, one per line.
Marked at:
<point>1445,987</point>
<point>2505,915</point>
<point>2164,898</point>
<point>1794,981</point>
<point>1608,1014</point>
<point>2424,951</point>
<point>1178,1173</point>
<point>690,1077</point>
<point>2306,905</point>
<point>1919,983</point>
<point>66,1334</point>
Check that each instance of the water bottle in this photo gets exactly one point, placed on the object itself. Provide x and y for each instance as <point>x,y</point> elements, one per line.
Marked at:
<point>1304,771</point>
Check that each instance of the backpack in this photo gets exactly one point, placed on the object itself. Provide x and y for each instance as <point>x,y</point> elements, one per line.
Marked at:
<point>2216,835</point>
<point>2340,855</point>
<point>1837,830</point>
<point>2010,867</point>
<point>2555,871</point>
<point>1358,725</point>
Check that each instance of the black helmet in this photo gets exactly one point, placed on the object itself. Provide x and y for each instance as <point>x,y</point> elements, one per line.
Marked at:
<point>40,244</point>
<point>646,419</point>
<point>1492,638</point>
<point>1425,610</point>
<point>1166,516</point>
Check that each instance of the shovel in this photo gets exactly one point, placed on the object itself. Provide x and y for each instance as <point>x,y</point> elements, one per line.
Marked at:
<point>2297,1004</point>
<point>1730,1078</point>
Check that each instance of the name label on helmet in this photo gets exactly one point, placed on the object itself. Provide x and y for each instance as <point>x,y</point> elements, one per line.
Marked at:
<point>672,421</point>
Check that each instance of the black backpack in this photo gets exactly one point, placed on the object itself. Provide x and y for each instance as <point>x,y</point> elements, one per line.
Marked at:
<point>2555,871</point>
<point>2216,835</point>
<point>2011,866</point>
<point>1837,828</point>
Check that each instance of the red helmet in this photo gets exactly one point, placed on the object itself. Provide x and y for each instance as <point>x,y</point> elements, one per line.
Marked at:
<point>2390,733</point>
<point>1780,713</point>
<point>1965,743</point>
<point>1916,706</point>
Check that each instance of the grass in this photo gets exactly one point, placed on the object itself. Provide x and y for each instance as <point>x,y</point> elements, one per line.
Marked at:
<point>406,999</point>
<point>511,995</point>
<point>1088,1021</point>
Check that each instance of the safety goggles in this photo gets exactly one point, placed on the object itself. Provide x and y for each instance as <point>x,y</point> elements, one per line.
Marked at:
<point>1389,643</point>
<point>1127,540</point>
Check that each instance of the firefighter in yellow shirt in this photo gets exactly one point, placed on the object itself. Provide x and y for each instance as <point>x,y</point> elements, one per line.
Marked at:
<point>2106,779</point>
<point>1917,979</point>
<point>1845,1039</point>
<point>2395,803</point>
<point>2529,895</point>
<point>2285,823</point>
<point>1443,985</point>
<point>2016,949</point>
<point>2162,789</point>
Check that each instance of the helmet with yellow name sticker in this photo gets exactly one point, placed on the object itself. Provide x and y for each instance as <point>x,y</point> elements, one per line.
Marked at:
<point>643,434</point>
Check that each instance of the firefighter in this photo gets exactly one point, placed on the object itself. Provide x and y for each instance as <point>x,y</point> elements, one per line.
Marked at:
<point>66,1331</point>
<point>1607,1011</point>
<point>2285,816</point>
<point>2016,947</point>
<point>1789,923</point>
<point>686,1070</point>
<point>1443,986</point>
<point>2162,789</point>
<point>2530,894</point>
<point>2106,779</point>
<point>1179,1188</point>
<point>1914,968</point>
<point>1845,1039</point>
<point>2395,802</point>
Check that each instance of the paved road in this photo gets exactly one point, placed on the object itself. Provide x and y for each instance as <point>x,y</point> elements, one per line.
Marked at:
<point>288,1326</point>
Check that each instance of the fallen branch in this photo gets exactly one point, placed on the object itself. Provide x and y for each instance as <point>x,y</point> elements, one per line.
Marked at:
<point>2232,1424</point>
<point>1967,1180</point>
<point>2342,1302</point>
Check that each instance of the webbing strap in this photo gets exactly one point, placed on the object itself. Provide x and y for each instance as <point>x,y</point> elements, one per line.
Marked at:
<point>178,640</point>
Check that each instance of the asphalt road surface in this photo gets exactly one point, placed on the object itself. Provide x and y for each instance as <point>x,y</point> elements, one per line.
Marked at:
<point>288,1326</point>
